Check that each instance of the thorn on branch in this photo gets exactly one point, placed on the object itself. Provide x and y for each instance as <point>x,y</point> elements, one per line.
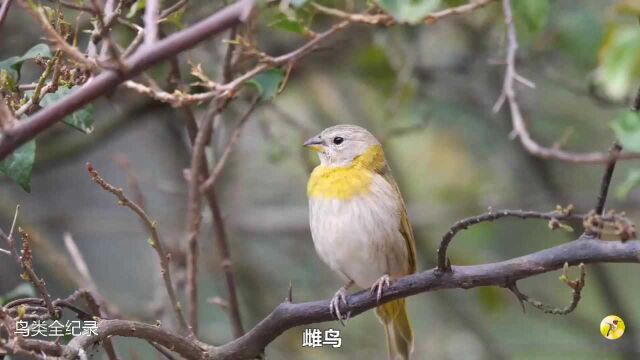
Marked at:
<point>289,297</point>
<point>576,287</point>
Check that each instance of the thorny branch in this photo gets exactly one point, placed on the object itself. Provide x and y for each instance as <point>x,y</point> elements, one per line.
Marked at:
<point>107,80</point>
<point>161,50</point>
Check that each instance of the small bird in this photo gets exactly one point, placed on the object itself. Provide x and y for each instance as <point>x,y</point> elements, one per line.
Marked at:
<point>360,226</point>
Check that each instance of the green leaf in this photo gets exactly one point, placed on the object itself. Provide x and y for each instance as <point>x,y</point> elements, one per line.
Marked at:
<point>283,22</point>
<point>137,6</point>
<point>267,83</point>
<point>8,67</point>
<point>631,182</point>
<point>532,14</point>
<point>80,119</point>
<point>409,11</point>
<point>619,67</point>
<point>627,130</point>
<point>19,164</point>
<point>21,291</point>
<point>13,65</point>
<point>40,50</point>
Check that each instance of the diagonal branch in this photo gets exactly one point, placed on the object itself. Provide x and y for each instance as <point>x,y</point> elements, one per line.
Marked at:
<point>154,241</point>
<point>4,10</point>
<point>108,80</point>
<point>288,315</point>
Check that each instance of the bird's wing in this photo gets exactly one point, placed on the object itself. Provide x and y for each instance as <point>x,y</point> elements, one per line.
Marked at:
<point>405,225</point>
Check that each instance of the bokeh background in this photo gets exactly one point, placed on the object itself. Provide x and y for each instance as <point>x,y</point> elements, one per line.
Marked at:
<point>427,92</point>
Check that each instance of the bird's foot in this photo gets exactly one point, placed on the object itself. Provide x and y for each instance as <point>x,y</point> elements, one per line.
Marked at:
<point>379,286</point>
<point>334,305</point>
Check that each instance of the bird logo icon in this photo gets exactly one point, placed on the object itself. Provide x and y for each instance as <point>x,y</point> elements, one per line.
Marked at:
<point>612,327</point>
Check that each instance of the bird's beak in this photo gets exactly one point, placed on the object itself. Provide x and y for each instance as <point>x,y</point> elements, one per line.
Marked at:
<point>315,143</point>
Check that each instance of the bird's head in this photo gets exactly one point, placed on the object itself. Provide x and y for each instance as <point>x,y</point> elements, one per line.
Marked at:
<point>347,145</point>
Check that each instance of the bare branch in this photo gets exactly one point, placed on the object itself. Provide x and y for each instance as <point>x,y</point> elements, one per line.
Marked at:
<point>217,170</point>
<point>188,348</point>
<point>576,288</point>
<point>557,215</point>
<point>26,261</point>
<point>194,215</point>
<point>151,10</point>
<point>388,20</point>
<point>606,178</point>
<point>517,119</point>
<point>172,9</point>
<point>154,241</point>
<point>4,10</point>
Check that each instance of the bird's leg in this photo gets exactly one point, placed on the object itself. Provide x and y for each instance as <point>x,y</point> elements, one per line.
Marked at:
<point>340,296</point>
<point>379,286</point>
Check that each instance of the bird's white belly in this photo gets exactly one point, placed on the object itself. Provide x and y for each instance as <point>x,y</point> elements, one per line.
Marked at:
<point>360,238</point>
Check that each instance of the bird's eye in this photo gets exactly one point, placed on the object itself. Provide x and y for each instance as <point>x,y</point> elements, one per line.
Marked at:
<point>338,140</point>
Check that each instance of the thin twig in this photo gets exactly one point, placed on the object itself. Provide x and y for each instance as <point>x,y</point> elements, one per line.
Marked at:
<point>194,216</point>
<point>26,261</point>
<point>233,139</point>
<point>154,241</point>
<point>517,119</point>
<point>71,51</point>
<point>555,216</point>
<point>221,242</point>
<point>606,178</point>
<point>388,20</point>
<point>576,289</point>
<point>78,261</point>
<point>172,9</point>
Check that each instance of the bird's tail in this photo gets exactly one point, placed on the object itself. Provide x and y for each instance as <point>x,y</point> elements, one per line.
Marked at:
<point>397,329</point>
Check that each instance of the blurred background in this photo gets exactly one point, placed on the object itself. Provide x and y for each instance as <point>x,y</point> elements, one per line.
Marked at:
<point>427,92</point>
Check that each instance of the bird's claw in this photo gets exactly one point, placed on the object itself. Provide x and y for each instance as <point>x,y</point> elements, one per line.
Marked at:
<point>379,286</point>
<point>334,305</point>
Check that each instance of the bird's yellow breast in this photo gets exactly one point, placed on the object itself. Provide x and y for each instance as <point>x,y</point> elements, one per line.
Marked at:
<point>344,183</point>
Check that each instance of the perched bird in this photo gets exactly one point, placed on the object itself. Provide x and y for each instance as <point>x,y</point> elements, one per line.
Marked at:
<point>359,224</point>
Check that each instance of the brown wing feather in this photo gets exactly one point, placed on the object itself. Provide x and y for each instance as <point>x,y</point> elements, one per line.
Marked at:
<point>405,225</point>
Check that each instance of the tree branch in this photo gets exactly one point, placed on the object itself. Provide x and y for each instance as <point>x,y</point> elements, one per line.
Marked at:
<point>517,119</point>
<point>288,315</point>
<point>108,80</point>
<point>553,216</point>
<point>4,10</point>
<point>154,241</point>
<point>606,178</point>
